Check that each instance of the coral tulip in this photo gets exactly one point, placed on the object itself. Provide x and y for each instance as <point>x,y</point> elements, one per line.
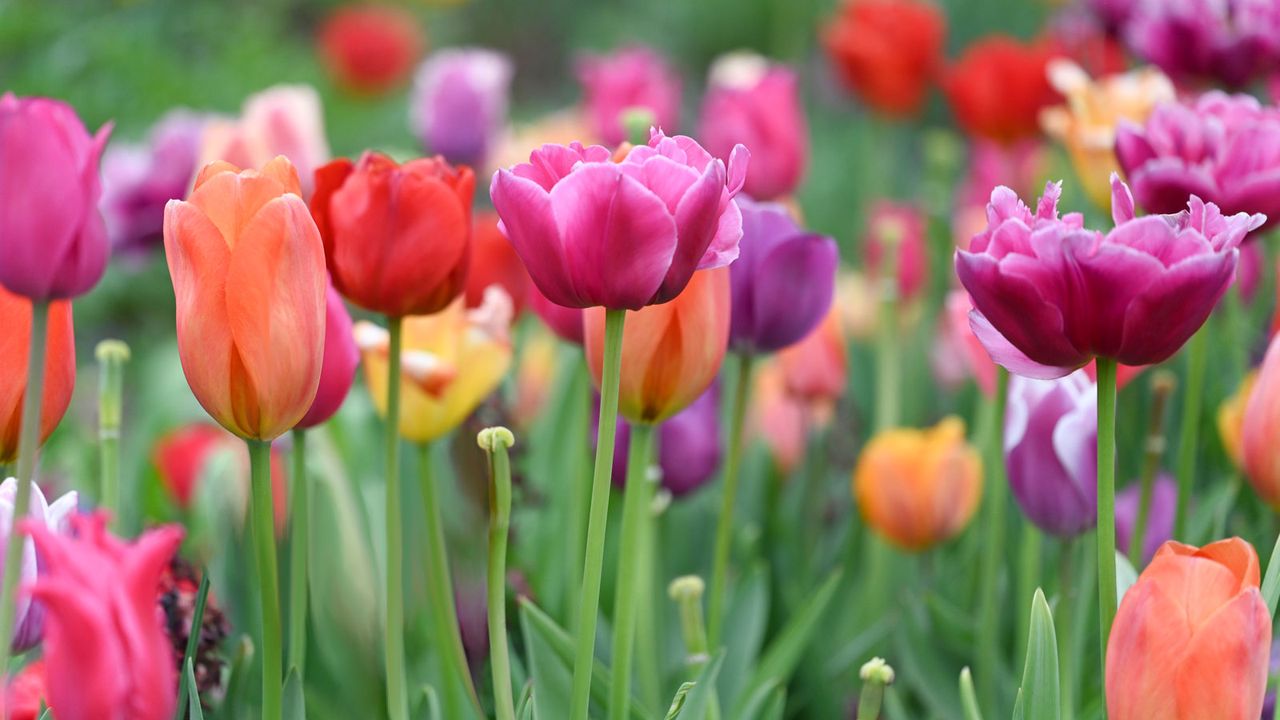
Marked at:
<point>1232,41</point>
<point>28,623</point>
<point>105,649</point>
<point>887,51</point>
<point>1050,295</point>
<point>450,362</point>
<point>689,446</point>
<point>248,274</point>
<point>495,262</point>
<point>998,87</point>
<point>901,227</point>
<point>815,368</point>
<point>1192,638</point>
<point>1261,427</point>
<point>369,48</point>
<point>459,103</point>
<point>670,352</point>
<point>1231,416</point>
<point>632,78</point>
<point>59,368</point>
<point>397,237</point>
<point>755,103</point>
<point>1164,501</point>
<point>783,281</point>
<point>281,120</point>
<point>53,241</point>
<point>917,488</point>
<point>338,367</point>
<point>593,232</point>
<point>781,420</point>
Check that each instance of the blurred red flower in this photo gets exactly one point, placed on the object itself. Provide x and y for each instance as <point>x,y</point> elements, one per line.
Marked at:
<point>887,51</point>
<point>998,87</point>
<point>369,48</point>
<point>494,262</point>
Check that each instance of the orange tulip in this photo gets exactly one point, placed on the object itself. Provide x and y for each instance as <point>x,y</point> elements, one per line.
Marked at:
<point>59,368</point>
<point>1231,419</point>
<point>814,369</point>
<point>248,274</point>
<point>917,488</point>
<point>670,352</point>
<point>1262,427</point>
<point>1192,638</point>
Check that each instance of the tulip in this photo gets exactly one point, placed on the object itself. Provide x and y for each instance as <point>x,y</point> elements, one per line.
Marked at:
<point>1164,500</point>
<point>815,368</point>
<point>1087,43</point>
<point>105,649</point>
<point>369,49</point>
<point>670,352</point>
<point>53,241</point>
<point>957,352</point>
<point>1020,166</point>
<point>688,446</point>
<point>338,366</point>
<point>1039,283</point>
<point>27,695</point>
<point>1232,41</point>
<point>459,103</point>
<point>781,420</point>
<point>593,232</point>
<point>28,621</point>
<point>856,299</point>
<point>557,128</point>
<point>632,78</point>
<point>59,369</point>
<point>248,274</point>
<point>138,179</point>
<point>998,87</point>
<point>281,120</point>
<point>451,361</point>
<point>886,51</point>
<point>1231,417</point>
<point>495,262</point>
<point>1224,149</point>
<point>1086,124</point>
<point>901,228</point>
<point>176,596</point>
<point>1192,638</point>
<point>565,322</point>
<point>535,375</point>
<point>755,103</point>
<point>782,283</point>
<point>1051,451</point>
<point>1261,427</point>
<point>1113,14</point>
<point>917,488</point>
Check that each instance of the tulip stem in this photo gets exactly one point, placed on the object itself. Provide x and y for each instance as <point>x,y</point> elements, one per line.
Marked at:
<point>636,514</point>
<point>1106,501</point>
<point>724,525</point>
<point>111,355</point>
<point>299,522</point>
<point>1031,553</point>
<point>496,441</point>
<point>1063,619</point>
<point>992,420</point>
<point>28,441</point>
<point>888,362</point>
<point>1161,387</point>
<point>598,517</point>
<point>393,645</point>
<point>1188,435</point>
<point>440,598</point>
<point>264,542</point>
<point>579,481</point>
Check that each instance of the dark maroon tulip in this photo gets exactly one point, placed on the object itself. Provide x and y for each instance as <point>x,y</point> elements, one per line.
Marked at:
<point>1164,501</point>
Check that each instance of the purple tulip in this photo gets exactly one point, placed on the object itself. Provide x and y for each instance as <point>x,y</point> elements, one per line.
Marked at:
<point>688,443</point>
<point>1050,295</point>
<point>782,282</point>
<point>632,78</point>
<point>338,367</point>
<point>459,102</point>
<point>1051,451</point>
<point>1113,14</point>
<point>28,622</point>
<point>1225,149</point>
<point>1164,501</point>
<point>1232,41</point>
<point>53,241</point>
<point>757,103</point>
<point>139,178</point>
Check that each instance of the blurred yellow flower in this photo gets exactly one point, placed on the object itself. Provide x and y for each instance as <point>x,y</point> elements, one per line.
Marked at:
<point>535,373</point>
<point>1231,419</point>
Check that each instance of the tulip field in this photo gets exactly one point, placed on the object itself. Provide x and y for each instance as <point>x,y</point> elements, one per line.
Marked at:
<point>571,360</point>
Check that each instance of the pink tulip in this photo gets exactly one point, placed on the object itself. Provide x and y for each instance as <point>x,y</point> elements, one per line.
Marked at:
<point>53,241</point>
<point>903,227</point>
<point>338,366</point>
<point>593,232</point>
<point>281,120</point>
<point>565,322</point>
<point>632,78</point>
<point>958,354</point>
<point>757,103</point>
<point>105,648</point>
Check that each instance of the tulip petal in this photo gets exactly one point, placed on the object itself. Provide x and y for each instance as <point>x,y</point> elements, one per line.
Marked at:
<point>529,223</point>
<point>697,219</point>
<point>75,625</point>
<point>1004,354</point>
<point>1229,653</point>
<point>1176,303</point>
<point>794,290</point>
<point>232,200</point>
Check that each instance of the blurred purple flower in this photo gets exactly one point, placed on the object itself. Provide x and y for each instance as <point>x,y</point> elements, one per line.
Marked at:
<point>633,77</point>
<point>1112,13</point>
<point>459,102</point>
<point>1232,41</point>
<point>28,622</point>
<point>1164,501</point>
<point>688,445</point>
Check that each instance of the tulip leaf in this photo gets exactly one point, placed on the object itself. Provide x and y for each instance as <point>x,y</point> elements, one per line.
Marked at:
<point>552,678</point>
<point>524,706</point>
<point>745,625</point>
<point>968,698</point>
<point>677,702</point>
<point>777,703</point>
<point>1126,576</point>
<point>1039,696</point>
<point>428,707</point>
<point>1271,583</point>
<point>46,714</point>
<point>194,710</point>
<point>241,677</point>
<point>295,704</point>
<point>755,705</point>
<point>193,637</point>
<point>700,699</point>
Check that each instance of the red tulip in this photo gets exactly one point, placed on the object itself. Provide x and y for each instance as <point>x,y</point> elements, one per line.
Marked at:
<point>887,51</point>
<point>370,48</point>
<point>494,262</point>
<point>59,368</point>
<point>26,693</point>
<point>999,86</point>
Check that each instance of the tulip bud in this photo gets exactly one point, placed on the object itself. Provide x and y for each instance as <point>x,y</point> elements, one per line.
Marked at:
<point>459,102</point>
<point>1231,417</point>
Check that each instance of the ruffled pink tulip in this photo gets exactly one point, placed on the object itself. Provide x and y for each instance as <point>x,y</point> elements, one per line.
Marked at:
<point>632,78</point>
<point>594,232</point>
<point>338,366</point>
<point>53,241</point>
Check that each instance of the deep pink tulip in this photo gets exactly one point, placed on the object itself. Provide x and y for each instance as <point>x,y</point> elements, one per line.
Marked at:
<point>632,78</point>
<point>105,648</point>
<point>1231,41</point>
<point>1049,295</point>
<point>1224,149</point>
<point>565,322</point>
<point>757,104</point>
<point>53,240</point>
<point>593,232</point>
<point>338,366</point>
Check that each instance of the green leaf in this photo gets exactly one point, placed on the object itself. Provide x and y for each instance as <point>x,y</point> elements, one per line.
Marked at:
<point>1126,576</point>
<point>428,706</point>
<point>524,706</point>
<point>46,715</point>
<point>551,676</point>
<point>1039,697</point>
<point>753,708</point>
<point>777,704</point>
<point>295,705</point>
<point>677,702</point>
<point>193,639</point>
<point>781,657</point>
<point>744,630</point>
<point>195,712</point>
<point>968,698</point>
<point>1271,583</point>
<point>241,676</point>
<point>703,694</point>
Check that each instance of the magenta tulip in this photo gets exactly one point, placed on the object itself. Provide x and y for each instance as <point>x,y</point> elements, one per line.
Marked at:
<point>338,366</point>
<point>593,232</point>
<point>1231,41</point>
<point>53,240</point>
<point>757,103</point>
<point>1049,295</point>
<point>565,322</point>
<point>631,78</point>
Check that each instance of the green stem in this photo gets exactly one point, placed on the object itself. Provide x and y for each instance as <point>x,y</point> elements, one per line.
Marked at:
<point>993,542</point>
<point>111,355</point>
<point>1188,435</point>
<point>728,499</point>
<point>579,490</point>
<point>264,542</point>
<point>1062,613</point>
<point>28,440</point>
<point>888,362</point>
<point>299,522</point>
<point>499,525</point>
<point>648,672</point>
<point>1030,555</point>
<point>870,700</point>
<point>443,607</point>
<point>1106,500</point>
<point>393,640</point>
<point>1162,384</point>
<point>593,562</point>
<point>637,500</point>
